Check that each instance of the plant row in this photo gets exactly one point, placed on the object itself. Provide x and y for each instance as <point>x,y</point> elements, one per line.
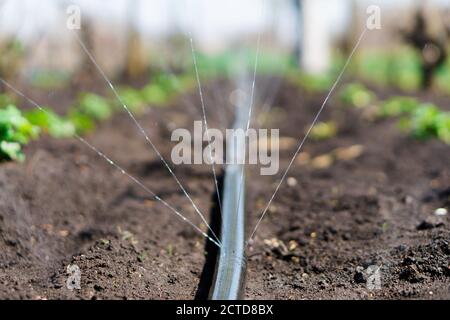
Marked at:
<point>421,120</point>
<point>18,128</point>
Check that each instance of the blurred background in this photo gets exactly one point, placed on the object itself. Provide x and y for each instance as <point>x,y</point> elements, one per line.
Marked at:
<point>145,33</point>
<point>47,49</point>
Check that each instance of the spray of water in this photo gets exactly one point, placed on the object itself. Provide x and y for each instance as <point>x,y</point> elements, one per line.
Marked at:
<point>143,132</point>
<point>118,167</point>
<point>302,142</point>
<point>250,109</point>
<point>205,122</point>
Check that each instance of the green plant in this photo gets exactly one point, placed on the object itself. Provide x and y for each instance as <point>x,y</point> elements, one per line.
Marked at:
<point>428,121</point>
<point>324,130</point>
<point>309,82</point>
<point>82,122</point>
<point>443,127</point>
<point>163,87</point>
<point>401,68</point>
<point>132,98</point>
<point>217,65</point>
<point>51,123</point>
<point>94,106</point>
<point>168,83</point>
<point>397,106</point>
<point>154,94</point>
<point>15,131</point>
<point>424,120</point>
<point>357,95</point>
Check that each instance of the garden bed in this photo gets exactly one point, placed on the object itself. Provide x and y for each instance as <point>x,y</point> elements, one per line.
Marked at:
<point>335,217</point>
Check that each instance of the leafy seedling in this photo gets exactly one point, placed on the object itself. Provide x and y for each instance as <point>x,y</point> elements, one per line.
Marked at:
<point>357,95</point>
<point>424,121</point>
<point>51,123</point>
<point>15,131</point>
<point>82,123</point>
<point>324,130</point>
<point>11,151</point>
<point>397,106</point>
<point>154,94</point>
<point>133,99</point>
<point>443,127</point>
<point>168,83</point>
<point>94,106</point>
<point>427,121</point>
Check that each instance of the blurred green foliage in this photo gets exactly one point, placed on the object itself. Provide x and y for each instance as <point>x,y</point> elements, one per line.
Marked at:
<point>234,62</point>
<point>397,106</point>
<point>324,130</point>
<point>312,83</point>
<point>400,68</point>
<point>51,123</point>
<point>15,131</point>
<point>17,128</point>
<point>357,95</point>
<point>316,82</point>
<point>94,106</point>
<point>154,94</point>
<point>50,79</point>
<point>421,120</point>
<point>132,98</point>
<point>82,123</point>
<point>428,121</point>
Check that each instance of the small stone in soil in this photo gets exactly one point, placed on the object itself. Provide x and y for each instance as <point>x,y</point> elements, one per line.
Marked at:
<point>291,182</point>
<point>349,153</point>
<point>322,162</point>
<point>440,212</point>
<point>272,209</point>
<point>293,245</point>
<point>409,199</point>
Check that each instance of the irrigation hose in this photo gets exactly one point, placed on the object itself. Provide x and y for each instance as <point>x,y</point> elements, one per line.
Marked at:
<point>231,265</point>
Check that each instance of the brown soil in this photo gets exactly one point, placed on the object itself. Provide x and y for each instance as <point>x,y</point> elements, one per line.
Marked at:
<point>65,205</point>
<point>353,214</point>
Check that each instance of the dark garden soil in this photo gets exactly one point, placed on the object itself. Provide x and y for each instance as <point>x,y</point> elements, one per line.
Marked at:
<point>339,212</point>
